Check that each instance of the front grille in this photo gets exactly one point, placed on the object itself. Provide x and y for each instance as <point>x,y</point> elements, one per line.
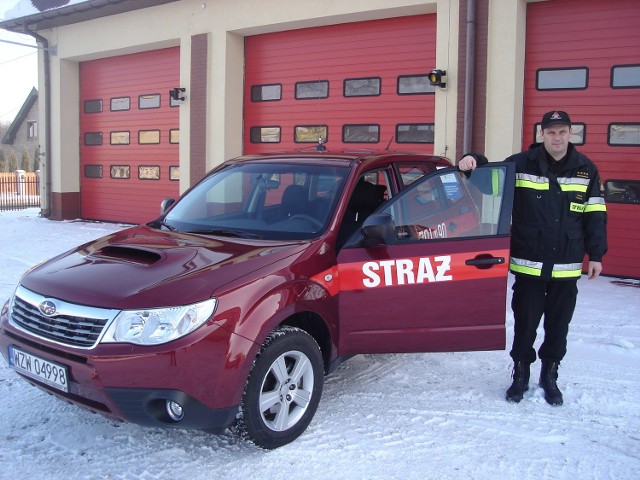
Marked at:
<point>73,325</point>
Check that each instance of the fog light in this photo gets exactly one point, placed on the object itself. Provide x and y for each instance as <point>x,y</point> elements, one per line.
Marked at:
<point>175,410</point>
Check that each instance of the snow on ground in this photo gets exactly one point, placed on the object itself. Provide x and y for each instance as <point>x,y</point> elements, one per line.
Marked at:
<point>418,416</point>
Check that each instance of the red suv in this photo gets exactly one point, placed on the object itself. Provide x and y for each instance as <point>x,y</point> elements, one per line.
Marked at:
<point>229,309</point>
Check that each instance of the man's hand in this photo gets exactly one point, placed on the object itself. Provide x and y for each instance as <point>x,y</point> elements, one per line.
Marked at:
<point>467,163</point>
<point>595,268</point>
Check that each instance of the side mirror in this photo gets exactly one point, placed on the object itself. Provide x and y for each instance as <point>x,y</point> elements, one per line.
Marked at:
<point>379,229</point>
<point>166,203</point>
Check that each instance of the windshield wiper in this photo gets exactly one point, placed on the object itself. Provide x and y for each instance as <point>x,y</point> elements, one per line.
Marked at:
<point>225,232</point>
<point>162,223</point>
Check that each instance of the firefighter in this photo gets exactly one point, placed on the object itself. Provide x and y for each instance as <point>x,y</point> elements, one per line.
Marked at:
<point>559,214</point>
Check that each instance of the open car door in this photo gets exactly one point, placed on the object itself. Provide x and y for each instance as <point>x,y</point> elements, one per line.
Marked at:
<point>428,271</point>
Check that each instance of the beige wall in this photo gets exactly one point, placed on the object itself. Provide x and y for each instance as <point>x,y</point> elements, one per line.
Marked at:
<point>226,22</point>
<point>505,78</point>
<point>447,60</point>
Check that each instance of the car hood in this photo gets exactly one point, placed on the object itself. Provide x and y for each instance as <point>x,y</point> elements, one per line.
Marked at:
<point>143,267</point>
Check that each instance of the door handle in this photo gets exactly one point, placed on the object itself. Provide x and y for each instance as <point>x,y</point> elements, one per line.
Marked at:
<point>484,260</point>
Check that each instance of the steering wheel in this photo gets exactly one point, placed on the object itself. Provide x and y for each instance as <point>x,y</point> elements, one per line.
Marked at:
<point>313,221</point>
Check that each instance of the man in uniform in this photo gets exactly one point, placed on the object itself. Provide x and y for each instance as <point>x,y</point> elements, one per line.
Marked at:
<point>559,214</point>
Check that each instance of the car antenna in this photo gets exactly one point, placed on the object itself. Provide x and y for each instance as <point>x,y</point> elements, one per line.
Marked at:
<point>389,144</point>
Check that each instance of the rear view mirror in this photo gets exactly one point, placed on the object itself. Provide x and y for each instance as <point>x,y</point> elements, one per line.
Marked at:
<point>379,229</point>
<point>166,203</point>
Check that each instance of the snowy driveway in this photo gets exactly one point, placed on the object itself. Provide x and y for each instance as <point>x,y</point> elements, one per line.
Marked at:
<point>419,416</point>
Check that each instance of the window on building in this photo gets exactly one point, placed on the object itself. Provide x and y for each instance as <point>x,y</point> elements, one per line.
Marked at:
<point>174,135</point>
<point>93,171</point>
<point>264,134</point>
<point>266,93</point>
<point>149,137</point>
<point>362,87</point>
<point>149,172</point>
<point>309,90</point>
<point>120,138</point>
<point>622,191</point>
<point>415,133</point>
<point>120,172</point>
<point>361,133</point>
<point>120,103</point>
<point>415,85</point>
<point>578,133</point>
<point>149,101</point>
<point>625,76</point>
<point>625,134</point>
<point>174,172</point>
<point>562,78</point>
<point>92,139</point>
<point>311,133</point>
<point>93,106</point>
<point>32,130</point>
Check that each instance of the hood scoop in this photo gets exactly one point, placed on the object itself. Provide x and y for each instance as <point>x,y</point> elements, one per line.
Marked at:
<point>128,254</point>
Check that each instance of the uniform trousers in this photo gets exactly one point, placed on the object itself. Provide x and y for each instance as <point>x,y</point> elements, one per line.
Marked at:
<point>533,298</point>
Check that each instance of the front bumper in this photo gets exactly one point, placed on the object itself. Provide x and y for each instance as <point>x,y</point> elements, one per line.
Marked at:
<point>148,407</point>
<point>133,384</point>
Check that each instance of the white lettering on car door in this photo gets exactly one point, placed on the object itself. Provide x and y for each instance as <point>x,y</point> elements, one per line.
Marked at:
<point>443,268</point>
<point>406,272</point>
<point>373,279</point>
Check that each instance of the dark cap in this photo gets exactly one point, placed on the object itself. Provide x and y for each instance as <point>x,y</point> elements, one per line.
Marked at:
<point>556,117</point>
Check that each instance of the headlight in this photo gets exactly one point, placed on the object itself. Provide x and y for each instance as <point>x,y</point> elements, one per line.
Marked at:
<point>154,326</point>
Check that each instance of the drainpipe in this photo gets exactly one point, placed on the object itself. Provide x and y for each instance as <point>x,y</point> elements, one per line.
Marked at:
<point>44,43</point>
<point>469,76</point>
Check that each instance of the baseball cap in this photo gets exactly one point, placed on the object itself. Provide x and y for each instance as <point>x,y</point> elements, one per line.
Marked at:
<point>556,117</point>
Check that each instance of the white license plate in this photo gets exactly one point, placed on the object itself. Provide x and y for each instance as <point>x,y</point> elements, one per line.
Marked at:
<point>47,372</point>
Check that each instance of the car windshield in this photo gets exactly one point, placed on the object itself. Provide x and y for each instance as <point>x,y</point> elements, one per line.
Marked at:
<point>271,201</point>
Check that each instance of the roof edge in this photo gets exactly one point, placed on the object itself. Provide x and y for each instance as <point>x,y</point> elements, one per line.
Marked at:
<point>76,13</point>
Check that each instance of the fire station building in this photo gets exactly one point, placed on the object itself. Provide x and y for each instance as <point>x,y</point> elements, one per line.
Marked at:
<point>139,98</point>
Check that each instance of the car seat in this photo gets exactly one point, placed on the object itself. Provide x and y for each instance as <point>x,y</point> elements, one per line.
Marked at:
<point>365,199</point>
<point>294,201</point>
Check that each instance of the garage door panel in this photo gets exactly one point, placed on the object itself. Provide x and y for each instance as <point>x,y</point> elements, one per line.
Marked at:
<point>597,35</point>
<point>382,49</point>
<point>131,138</point>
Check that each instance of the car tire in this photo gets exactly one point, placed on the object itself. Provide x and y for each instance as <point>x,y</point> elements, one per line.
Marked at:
<point>283,389</point>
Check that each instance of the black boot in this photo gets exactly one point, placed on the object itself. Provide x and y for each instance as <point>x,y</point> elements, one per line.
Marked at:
<point>548,379</point>
<point>520,383</point>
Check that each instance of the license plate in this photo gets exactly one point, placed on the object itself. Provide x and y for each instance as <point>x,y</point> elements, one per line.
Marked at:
<point>47,372</point>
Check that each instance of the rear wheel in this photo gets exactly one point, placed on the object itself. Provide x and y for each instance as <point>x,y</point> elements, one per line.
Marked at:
<point>283,390</point>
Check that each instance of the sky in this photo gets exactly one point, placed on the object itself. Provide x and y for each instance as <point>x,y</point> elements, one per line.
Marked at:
<point>18,72</point>
<point>18,67</point>
<point>425,416</point>
<point>18,64</point>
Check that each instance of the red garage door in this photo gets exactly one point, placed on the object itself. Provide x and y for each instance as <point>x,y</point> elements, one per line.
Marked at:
<point>582,56</point>
<point>356,85</point>
<point>129,135</point>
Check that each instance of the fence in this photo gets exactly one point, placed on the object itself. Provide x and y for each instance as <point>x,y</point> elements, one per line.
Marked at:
<point>19,190</point>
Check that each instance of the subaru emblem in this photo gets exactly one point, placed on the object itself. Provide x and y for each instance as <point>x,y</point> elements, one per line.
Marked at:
<point>47,307</point>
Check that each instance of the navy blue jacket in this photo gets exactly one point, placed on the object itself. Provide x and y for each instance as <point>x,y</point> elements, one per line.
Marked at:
<point>559,214</point>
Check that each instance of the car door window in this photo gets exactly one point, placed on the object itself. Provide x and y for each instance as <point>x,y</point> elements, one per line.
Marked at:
<point>409,173</point>
<point>381,178</point>
<point>372,189</point>
<point>449,205</point>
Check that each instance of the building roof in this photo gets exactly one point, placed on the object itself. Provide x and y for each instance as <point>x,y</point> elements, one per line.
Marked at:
<point>11,133</point>
<point>75,13</point>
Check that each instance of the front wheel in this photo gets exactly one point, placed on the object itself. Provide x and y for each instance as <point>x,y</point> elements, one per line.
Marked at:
<point>283,390</point>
